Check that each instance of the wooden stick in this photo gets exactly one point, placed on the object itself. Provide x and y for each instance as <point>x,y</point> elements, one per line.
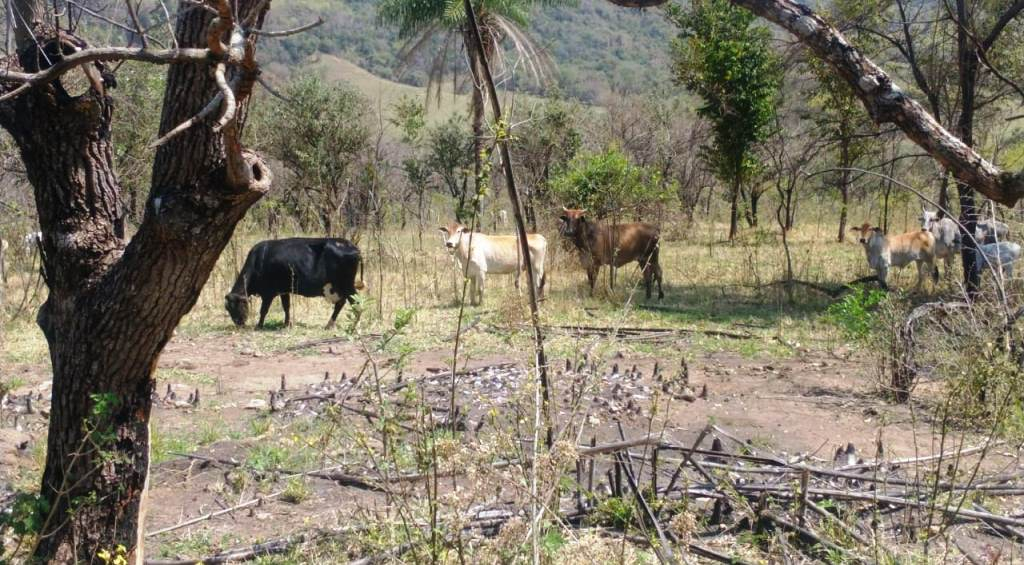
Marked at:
<point>804,477</point>
<point>664,549</point>
<point>884,499</point>
<point>212,515</point>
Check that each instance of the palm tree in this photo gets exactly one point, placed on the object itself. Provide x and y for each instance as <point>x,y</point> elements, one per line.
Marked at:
<point>425,23</point>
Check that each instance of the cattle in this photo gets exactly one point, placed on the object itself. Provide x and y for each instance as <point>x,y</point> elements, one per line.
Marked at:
<point>1000,255</point>
<point>991,231</point>
<point>948,240</point>
<point>479,255</point>
<point>613,245</point>
<point>305,266</point>
<point>886,251</point>
<point>30,242</point>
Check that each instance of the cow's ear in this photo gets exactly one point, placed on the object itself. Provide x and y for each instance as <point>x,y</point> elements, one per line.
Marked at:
<point>854,229</point>
<point>876,230</point>
<point>442,229</point>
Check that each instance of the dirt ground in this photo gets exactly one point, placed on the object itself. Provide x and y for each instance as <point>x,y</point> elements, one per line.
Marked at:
<point>808,406</point>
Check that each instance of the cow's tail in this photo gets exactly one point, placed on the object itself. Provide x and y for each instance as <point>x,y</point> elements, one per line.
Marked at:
<point>360,285</point>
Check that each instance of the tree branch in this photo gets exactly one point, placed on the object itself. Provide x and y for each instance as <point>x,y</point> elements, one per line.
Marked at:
<point>883,99</point>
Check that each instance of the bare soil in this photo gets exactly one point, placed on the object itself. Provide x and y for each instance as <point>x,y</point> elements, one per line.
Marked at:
<point>805,406</point>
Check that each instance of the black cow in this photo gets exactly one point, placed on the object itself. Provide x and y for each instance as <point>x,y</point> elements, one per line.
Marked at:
<point>305,266</point>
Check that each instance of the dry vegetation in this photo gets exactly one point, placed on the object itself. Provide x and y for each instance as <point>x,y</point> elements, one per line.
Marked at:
<point>325,446</point>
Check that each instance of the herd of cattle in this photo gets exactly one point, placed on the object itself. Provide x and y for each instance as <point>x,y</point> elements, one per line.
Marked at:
<point>328,267</point>
<point>938,238</point>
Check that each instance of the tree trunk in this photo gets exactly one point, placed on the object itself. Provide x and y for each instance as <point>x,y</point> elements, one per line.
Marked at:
<point>112,305</point>
<point>967,57</point>
<point>734,210</point>
<point>476,111</point>
<point>755,197</point>
<point>844,186</point>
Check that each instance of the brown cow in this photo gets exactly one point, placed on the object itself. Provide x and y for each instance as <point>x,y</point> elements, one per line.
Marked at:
<point>616,245</point>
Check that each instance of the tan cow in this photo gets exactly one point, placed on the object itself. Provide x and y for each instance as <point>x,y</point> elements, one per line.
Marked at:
<point>493,255</point>
<point>885,251</point>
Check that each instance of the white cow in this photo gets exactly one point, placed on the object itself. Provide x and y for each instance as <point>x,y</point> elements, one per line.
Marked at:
<point>991,231</point>
<point>948,241</point>
<point>30,243</point>
<point>885,251</point>
<point>493,254</point>
<point>1001,255</point>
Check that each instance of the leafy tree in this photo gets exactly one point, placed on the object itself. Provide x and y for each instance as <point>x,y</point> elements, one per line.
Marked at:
<point>427,23</point>
<point>607,184</point>
<point>449,158</point>
<point>727,61</point>
<point>322,135</point>
<point>543,146</point>
<point>409,116</point>
<point>839,114</point>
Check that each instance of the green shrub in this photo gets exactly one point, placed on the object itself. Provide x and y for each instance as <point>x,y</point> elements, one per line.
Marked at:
<point>857,313</point>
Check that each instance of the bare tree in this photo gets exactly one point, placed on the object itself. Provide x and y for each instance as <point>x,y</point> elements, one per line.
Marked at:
<point>114,303</point>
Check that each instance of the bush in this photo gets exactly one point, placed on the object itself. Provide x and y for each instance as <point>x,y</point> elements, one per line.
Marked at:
<point>606,183</point>
<point>856,314</point>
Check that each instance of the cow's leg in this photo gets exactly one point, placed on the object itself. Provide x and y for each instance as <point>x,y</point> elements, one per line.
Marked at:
<point>883,276</point>
<point>538,280</point>
<point>592,271</point>
<point>264,306</point>
<point>334,315</point>
<point>286,304</point>
<point>648,272</point>
<point>480,279</point>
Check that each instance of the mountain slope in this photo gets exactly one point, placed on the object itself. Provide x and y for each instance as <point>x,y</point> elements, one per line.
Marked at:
<point>597,48</point>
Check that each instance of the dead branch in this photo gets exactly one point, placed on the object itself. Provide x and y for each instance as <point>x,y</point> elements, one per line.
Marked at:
<point>211,515</point>
<point>285,33</point>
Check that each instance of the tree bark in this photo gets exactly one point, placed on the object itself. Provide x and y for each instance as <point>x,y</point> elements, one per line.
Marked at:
<point>112,304</point>
<point>734,210</point>
<point>844,186</point>
<point>967,59</point>
<point>477,114</point>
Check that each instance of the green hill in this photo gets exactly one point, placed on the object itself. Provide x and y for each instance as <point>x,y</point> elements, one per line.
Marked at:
<point>387,92</point>
<point>596,47</point>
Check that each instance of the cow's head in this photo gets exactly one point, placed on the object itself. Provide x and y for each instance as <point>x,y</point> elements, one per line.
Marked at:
<point>237,306</point>
<point>866,232</point>
<point>452,234</point>
<point>571,222</point>
<point>928,218</point>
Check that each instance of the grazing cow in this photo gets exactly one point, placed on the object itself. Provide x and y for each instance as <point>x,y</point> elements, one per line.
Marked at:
<point>616,245</point>
<point>885,251</point>
<point>304,266</point>
<point>493,255</point>
<point>948,241</point>
<point>1001,255</point>
<point>991,231</point>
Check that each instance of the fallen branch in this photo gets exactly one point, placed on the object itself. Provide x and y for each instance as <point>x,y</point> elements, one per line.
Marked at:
<point>274,547</point>
<point>211,515</point>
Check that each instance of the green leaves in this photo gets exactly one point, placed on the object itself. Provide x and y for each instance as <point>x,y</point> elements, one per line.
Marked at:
<point>607,183</point>
<point>728,62</point>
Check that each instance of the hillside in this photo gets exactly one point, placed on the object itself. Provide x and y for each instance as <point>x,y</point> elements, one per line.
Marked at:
<point>387,92</point>
<point>597,48</point>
